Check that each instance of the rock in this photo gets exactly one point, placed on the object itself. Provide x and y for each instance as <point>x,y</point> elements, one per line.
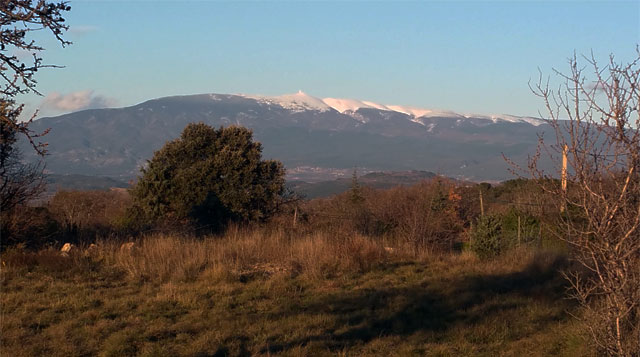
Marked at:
<point>67,247</point>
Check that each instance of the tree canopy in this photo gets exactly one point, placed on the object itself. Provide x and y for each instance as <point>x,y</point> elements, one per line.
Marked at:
<point>209,177</point>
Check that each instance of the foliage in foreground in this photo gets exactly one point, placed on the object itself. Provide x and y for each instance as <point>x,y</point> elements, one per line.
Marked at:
<point>258,293</point>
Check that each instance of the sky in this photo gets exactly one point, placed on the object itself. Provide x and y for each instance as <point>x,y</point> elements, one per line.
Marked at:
<point>469,57</point>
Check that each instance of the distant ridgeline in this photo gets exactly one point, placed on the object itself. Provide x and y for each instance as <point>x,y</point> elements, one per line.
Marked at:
<point>298,129</point>
<point>306,189</point>
<point>374,179</point>
<point>82,183</point>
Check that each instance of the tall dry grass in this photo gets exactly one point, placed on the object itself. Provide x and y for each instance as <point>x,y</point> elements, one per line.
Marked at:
<point>243,252</point>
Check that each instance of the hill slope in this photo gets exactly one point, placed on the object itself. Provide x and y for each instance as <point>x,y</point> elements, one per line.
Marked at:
<point>297,129</point>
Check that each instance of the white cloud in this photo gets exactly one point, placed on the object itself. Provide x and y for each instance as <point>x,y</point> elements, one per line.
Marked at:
<point>84,99</point>
<point>82,29</point>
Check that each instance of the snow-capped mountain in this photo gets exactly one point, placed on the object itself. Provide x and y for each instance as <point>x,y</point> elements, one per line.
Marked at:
<point>299,129</point>
<point>302,101</point>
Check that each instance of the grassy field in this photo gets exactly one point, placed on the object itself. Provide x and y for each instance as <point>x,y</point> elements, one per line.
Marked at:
<point>253,293</point>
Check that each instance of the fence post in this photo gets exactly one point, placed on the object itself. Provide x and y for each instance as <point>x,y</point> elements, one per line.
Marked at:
<point>295,216</point>
<point>518,230</point>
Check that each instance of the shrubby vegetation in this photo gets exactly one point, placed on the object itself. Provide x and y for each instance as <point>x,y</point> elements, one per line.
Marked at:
<point>209,209</point>
<point>495,233</point>
<point>437,215</point>
<point>209,177</point>
<point>407,257</point>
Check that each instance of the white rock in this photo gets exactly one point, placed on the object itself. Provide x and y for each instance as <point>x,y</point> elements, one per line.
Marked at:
<point>67,247</point>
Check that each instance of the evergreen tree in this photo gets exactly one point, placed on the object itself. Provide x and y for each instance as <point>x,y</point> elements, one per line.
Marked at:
<point>210,176</point>
<point>356,190</point>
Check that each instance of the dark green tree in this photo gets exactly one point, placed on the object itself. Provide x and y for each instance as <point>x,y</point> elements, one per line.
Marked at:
<point>486,237</point>
<point>210,177</point>
<point>355,196</point>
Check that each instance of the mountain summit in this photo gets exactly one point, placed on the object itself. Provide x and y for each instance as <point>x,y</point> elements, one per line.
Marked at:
<point>302,101</point>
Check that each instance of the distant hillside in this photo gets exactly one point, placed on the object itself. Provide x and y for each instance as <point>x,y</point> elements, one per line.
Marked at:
<point>299,130</point>
<point>306,189</point>
<point>374,180</point>
<point>82,183</point>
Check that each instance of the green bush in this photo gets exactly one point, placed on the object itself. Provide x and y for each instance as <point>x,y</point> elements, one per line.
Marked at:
<point>528,230</point>
<point>493,234</point>
<point>486,237</point>
<point>209,177</point>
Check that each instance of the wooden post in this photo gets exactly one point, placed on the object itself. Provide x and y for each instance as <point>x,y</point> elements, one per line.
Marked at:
<point>540,235</point>
<point>564,177</point>
<point>518,230</point>
<point>481,204</point>
<point>295,216</point>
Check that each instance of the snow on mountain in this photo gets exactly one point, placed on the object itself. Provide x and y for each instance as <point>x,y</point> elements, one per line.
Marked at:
<point>301,101</point>
<point>343,105</point>
<point>298,102</point>
<point>421,112</point>
<point>516,119</point>
<point>376,105</point>
<point>508,118</point>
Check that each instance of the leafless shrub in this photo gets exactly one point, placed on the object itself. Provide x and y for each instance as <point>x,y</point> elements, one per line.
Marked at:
<point>32,227</point>
<point>596,122</point>
<point>422,218</point>
<point>85,214</point>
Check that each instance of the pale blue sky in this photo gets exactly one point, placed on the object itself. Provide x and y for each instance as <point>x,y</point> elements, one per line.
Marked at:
<point>471,57</point>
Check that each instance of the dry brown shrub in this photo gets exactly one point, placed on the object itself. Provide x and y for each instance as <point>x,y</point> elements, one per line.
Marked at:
<point>27,226</point>
<point>423,217</point>
<point>86,214</point>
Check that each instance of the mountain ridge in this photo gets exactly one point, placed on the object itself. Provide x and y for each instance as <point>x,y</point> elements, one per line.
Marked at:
<point>116,142</point>
<point>302,100</point>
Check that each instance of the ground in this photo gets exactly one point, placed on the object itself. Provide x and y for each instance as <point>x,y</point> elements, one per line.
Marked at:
<point>451,304</point>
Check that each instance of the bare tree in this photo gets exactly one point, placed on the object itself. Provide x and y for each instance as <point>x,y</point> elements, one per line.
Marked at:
<point>18,20</point>
<point>594,114</point>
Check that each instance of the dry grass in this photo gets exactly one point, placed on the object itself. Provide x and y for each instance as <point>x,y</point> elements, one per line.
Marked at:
<point>173,258</point>
<point>259,292</point>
